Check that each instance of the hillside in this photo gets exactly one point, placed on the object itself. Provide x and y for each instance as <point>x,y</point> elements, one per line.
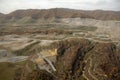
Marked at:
<point>63,13</point>
<point>2,15</point>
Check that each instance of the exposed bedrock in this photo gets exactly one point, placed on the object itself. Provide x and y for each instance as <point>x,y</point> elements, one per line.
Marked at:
<point>86,60</point>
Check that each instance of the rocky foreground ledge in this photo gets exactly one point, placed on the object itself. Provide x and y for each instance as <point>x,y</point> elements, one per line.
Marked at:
<point>78,59</point>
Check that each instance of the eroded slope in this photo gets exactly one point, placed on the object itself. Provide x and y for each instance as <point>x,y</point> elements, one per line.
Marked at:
<point>79,59</point>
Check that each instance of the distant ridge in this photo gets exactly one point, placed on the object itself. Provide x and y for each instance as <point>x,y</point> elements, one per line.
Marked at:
<point>63,13</point>
<point>1,15</point>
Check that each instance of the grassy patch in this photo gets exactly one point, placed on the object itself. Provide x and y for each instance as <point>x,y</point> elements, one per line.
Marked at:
<point>7,70</point>
<point>87,28</point>
<point>25,51</point>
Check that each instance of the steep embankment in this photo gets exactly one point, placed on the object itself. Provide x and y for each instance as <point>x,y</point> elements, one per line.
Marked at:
<point>80,59</point>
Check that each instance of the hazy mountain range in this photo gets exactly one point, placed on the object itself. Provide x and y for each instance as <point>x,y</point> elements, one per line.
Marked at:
<point>60,13</point>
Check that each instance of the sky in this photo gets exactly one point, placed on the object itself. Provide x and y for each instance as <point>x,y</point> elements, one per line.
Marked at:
<point>7,6</point>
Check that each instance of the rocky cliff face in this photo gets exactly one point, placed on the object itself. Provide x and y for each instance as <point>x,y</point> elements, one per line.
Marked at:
<point>81,59</point>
